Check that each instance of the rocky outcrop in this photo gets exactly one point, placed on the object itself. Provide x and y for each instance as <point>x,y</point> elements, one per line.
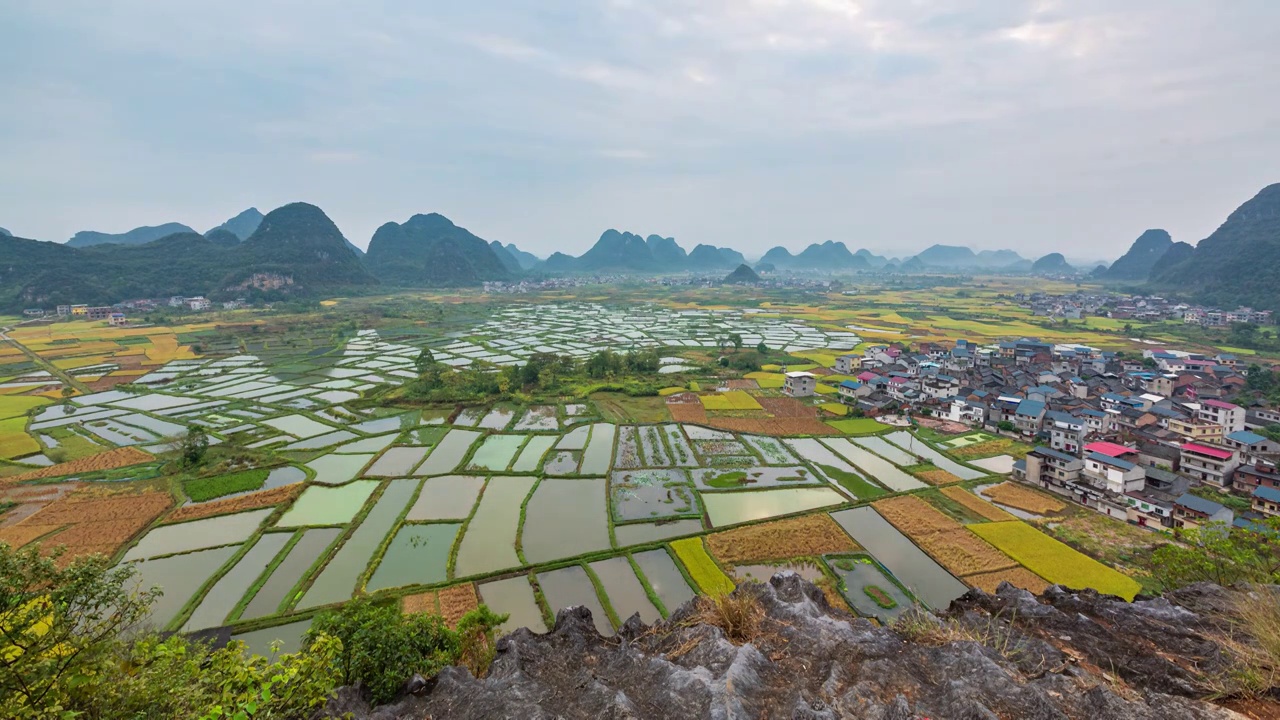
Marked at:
<point>1010,655</point>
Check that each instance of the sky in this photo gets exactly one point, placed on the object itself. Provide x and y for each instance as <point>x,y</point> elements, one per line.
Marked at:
<point>1034,125</point>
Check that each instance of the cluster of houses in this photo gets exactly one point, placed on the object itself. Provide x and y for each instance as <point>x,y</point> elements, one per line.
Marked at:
<point>1127,436</point>
<point>116,314</point>
<point>1076,306</point>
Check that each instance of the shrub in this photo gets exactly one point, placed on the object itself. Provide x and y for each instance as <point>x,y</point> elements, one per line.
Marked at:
<point>382,647</point>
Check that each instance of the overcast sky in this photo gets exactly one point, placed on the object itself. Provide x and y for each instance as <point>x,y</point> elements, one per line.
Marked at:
<point>888,124</point>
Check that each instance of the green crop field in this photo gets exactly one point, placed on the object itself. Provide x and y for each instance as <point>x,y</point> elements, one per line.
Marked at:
<point>1054,561</point>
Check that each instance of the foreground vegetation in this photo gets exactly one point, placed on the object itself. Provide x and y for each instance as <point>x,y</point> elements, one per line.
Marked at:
<point>68,649</point>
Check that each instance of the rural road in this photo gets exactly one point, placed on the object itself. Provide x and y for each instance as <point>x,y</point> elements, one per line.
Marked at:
<point>56,372</point>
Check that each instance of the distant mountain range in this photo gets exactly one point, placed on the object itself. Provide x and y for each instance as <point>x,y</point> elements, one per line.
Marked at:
<point>136,236</point>
<point>297,250</point>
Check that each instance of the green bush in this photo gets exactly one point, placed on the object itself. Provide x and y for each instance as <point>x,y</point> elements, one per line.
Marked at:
<point>382,647</point>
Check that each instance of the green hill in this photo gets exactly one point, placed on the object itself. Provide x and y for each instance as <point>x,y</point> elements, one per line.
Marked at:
<point>297,251</point>
<point>430,251</point>
<point>1239,264</point>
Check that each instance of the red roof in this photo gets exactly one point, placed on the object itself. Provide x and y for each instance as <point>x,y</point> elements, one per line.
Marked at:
<point>1109,449</point>
<point>1221,404</point>
<point>1214,452</point>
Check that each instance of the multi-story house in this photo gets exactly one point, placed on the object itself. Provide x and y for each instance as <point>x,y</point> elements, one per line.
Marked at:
<point>1250,445</point>
<point>1195,429</point>
<point>1230,417</point>
<point>1266,501</point>
<point>1191,511</point>
<point>1049,469</point>
<point>1207,463</point>
<point>851,390</point>
<point>1113,474</point>
<point>1029,416</point>
<point>848,364</point>
<point>1248,477</point>
<point>799,384</point>
<point>1066,432</point>
<point>966,411</point>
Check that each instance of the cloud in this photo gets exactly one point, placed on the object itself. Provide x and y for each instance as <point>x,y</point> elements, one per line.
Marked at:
<point>1034,124</point>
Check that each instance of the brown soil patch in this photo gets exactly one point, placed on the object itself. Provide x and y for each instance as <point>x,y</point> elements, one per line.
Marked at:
<point>96,524</point>
<point>1018,577</point>
<point>1024,498</point>
<point>945,540</point>
<point>687,413</point>
<point>944,426</point>
<point>427,602</point>
<point>937,477</point>
<point>741,384</point>
<point>456,601</point>
<point>797,537</point>
<point>977,505</point>
<point>274,496</point>
<point>785,407</point>
<point>772,426</point>
<point>109,460</point>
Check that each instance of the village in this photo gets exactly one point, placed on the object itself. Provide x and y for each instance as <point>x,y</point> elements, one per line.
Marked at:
<point>1134,437</point>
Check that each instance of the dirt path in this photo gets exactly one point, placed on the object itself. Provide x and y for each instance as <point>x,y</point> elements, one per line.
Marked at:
<point>45,364</point>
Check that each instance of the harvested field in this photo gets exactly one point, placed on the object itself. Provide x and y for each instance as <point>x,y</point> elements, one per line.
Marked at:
<point>457,601</point>
<point>797,537</point>
<point>1018,577</point>
<point>275,496</point>
<point>771,426</point>
<point>743,384</point>
<point>937,477</point>
<point>686,413</point>
<point>945,540</point>
<point>109,460</point>
<point>1003,446</point>
<point>964,553</point>
<point>427,602</point>
<point>914,516</point>
<point>94,524</point>
<point>19,535</point>
<point>1024,498</point>
<point>977,505</point>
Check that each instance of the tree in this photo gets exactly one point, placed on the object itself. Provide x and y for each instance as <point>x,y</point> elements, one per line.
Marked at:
<point>194,446</point>
<point>58,625</point>
<point>762,348</point>
<point>1006,426</point>
<point>1149,363</point>
<point>1221,554</point>
<point>736,340</point>
<point>425,361</point>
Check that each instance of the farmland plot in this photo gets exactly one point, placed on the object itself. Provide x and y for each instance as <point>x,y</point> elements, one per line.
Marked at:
<point>564,518</point>
<point>926,579</point>
<point>178,577</point>
<point>652,495</point>
<point>652,447</point>
<point>197,535</point>
<point>513,597</point>
<point>570,586</point>
<point>227,591</point>
<point>489,541</point>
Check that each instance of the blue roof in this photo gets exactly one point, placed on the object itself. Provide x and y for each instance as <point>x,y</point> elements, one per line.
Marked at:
<point>1114,396</point>
<point>1108,460</point>
<point>1030,408</point>
<point>851,384</point>
<point>1245,437</point>
<point>1269,494</point>
<point>1093,413</point>
<point>1059,416</point>
<point>1199,504</point>
<point>1050,452</point>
